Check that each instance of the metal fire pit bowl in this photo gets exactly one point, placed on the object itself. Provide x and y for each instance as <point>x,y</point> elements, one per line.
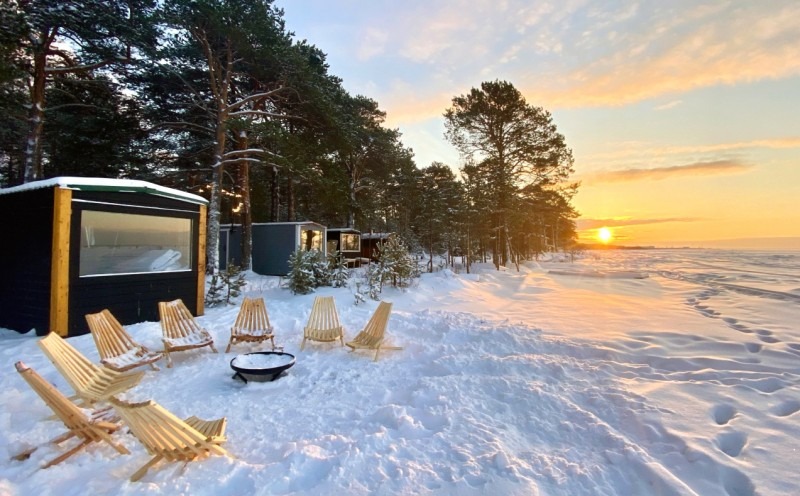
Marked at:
<point>261,366</point>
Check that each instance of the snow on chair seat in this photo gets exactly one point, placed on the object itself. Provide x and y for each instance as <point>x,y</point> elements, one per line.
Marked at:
<point>118,351</point>
<point>91,382</point>
<point>252,324</point>
<point>180,331</point>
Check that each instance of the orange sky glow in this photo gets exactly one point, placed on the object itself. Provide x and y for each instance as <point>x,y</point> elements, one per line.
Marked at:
<point>683,135</point>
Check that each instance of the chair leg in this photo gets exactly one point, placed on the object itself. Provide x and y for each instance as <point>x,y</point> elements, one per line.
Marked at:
<point>24,455</point>
<point>169,358</point>
<point>154,366</point>
<point>212,347</point>
<point>66,455</point>
<point>228,349</point>
<point>303,344</point>
<point>140,473</point>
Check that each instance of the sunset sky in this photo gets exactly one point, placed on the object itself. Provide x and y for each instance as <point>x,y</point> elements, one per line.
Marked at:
<point>683,116</point>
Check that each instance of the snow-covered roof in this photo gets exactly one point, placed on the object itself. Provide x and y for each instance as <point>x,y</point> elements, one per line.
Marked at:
<point>380,236</point>
<point>103,184</point>
<point>286,223</point>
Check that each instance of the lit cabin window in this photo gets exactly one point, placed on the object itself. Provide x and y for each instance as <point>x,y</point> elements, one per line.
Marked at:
<point>351,242</point>
<point>310,239</point>
<point>117,243</point>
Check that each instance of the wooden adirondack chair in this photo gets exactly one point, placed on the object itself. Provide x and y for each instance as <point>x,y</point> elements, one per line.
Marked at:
<point>87,429</point>
<point>372,336</point>
<point>118,351</point>
<point>181,331</point>
<point>169,438</point>
<point>252,324</point>
<point>323,323</point>
<point>91,382</point>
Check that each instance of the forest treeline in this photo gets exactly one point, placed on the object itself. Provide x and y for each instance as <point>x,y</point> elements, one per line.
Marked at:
<point>219,98</point>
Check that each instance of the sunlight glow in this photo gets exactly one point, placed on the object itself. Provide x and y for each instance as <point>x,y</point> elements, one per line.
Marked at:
<point>604,234</point>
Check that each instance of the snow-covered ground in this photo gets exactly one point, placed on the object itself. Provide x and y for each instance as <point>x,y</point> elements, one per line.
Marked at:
<point>626,372</point>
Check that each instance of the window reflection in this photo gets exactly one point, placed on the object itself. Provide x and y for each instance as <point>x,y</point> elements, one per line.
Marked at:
<point>310,239</point>
<point>351,242</point>
<point>120,243</point>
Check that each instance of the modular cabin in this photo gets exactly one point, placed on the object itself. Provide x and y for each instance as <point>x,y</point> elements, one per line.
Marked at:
<point>273,244</point>
<point>77,245</point>
<point>347,242</point>
<point>371,244</point>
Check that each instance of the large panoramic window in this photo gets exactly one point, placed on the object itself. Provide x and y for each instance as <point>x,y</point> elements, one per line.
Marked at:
<point>117,243</point>
<point>351,242</point>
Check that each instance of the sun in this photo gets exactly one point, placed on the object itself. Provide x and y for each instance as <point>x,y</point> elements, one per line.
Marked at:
<point>604,234</point>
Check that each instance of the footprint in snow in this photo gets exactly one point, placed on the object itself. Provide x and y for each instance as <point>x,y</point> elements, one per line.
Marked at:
<point>731,443</point>
<point>753,347</point>
<point>786,408</point>
<point>723,413</point>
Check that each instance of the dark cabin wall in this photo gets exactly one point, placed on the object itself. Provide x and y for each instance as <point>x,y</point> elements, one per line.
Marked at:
<point>230,246</point>
<point>26,221</point>
<point>272,247</point>
<point>131,298</point>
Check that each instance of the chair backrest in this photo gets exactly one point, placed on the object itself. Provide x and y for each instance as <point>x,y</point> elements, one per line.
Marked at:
<point>376,327</point>
<point>110,337</point>
<point>68,412</point>
<point>323,314</point>
<point>176,320</point>
<point>252,316</point>
<point>162,433</point>
<point>76,368</point>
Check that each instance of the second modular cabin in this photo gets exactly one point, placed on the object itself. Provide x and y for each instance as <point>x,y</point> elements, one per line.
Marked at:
<point>371,244</point>
<point>347,242</point>
<point>273,244</point>
<point>78,245</point>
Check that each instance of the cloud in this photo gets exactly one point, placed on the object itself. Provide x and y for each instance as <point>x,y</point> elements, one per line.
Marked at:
<point>669,105</point>
<point>639,149</point>
<point>683,51</point>
<point>587,224</point>
<point>718,167</point>
<point>372,44</point>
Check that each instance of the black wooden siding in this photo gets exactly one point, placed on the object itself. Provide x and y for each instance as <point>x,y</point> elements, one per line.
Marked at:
<point>26,221</point>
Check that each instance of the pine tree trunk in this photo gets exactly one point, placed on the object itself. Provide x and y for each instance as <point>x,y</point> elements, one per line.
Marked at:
<point>351,215</point>
<point>247,220</point>
<point>215,202</point>
<point>290,205</point>
<point>33,147</point>
<point>275,196</point>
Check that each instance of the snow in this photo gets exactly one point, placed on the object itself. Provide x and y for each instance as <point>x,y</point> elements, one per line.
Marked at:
<point>254,361</point>
<point>119,184</point>
<point>530,382</point>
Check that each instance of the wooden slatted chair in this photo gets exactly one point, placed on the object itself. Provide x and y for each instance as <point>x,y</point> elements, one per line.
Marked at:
<point>323,323</point>
<point>169,438</point>
<point>88,429</point>
<point>252,324</point>
<point>118,351</point>
<point>181,331</point>
<point>91,382</point>
<point>372,336</point>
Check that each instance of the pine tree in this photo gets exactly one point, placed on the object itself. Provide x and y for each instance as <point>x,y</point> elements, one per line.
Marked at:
<point>338,270</point>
